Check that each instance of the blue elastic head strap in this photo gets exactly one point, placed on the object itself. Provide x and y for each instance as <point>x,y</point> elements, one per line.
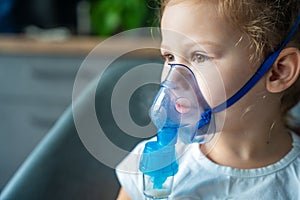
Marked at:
<point>259,73</point>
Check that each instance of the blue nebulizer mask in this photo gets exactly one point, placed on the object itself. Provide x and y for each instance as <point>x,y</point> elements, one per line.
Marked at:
<point>175,112</point>
<point>181,111</point>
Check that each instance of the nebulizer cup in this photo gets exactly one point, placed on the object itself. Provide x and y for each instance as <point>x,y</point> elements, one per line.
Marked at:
<point>151,192</point>
<point>179,110</point>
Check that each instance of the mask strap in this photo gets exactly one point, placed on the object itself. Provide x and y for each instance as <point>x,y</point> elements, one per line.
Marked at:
<point>259,73</point>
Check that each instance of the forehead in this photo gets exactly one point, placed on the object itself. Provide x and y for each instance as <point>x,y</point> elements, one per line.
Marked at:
<point>197,21</point>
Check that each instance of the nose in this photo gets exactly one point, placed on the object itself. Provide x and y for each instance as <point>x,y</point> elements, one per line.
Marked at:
<point>167,68</point>
<point>182,60</point>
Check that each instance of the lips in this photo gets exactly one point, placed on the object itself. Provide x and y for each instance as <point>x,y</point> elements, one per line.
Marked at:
<point>183,105</point>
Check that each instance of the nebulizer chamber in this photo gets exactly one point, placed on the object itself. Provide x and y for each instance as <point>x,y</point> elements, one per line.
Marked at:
<point>178,111</point>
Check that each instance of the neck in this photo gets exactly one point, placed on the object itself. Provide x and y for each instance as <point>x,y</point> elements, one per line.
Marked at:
<point>250,144</point>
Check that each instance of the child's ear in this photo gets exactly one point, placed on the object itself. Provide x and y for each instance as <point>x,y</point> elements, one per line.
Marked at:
<point>285,71</point>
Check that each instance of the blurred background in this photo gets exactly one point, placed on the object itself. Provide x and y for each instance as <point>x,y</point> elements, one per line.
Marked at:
<point>77,17</point>
<point>42,45</point>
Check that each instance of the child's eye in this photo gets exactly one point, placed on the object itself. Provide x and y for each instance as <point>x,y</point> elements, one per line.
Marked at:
<point>199,58</point>
<point>168,57</point>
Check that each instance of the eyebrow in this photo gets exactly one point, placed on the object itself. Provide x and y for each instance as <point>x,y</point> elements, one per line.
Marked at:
<point>205,43</point>
<point>195,43</point>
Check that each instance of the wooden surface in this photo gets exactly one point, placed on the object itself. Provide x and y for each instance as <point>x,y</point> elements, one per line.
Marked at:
<point>20,44</point>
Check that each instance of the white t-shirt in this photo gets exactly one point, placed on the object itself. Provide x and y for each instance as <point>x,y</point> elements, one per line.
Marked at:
<point>200,178</point>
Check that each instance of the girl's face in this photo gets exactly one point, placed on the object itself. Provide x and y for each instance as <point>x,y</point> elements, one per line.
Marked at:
<point>195,34</point>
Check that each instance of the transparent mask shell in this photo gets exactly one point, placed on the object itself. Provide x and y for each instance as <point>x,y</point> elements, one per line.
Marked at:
<point>180,104</point>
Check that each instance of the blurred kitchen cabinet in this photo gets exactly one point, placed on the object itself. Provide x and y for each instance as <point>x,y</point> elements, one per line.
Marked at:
<point>34,92</point>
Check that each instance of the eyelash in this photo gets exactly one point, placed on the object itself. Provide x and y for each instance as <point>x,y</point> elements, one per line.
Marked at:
<point>168,57</point>
<point>199,58</point>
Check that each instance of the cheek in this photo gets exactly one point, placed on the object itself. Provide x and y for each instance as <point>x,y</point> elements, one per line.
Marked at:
<point>235,78</point>
<point>236,68</point>
<point>212,86</point>
<point>218,84</point>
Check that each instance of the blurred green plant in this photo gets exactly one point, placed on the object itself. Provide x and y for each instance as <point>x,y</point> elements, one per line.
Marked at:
<point>109,17</point>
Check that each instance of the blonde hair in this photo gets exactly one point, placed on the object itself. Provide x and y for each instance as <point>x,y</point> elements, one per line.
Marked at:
<point>266,23</point>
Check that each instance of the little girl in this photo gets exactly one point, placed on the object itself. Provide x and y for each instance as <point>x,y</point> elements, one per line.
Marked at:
<point>256,152</point>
